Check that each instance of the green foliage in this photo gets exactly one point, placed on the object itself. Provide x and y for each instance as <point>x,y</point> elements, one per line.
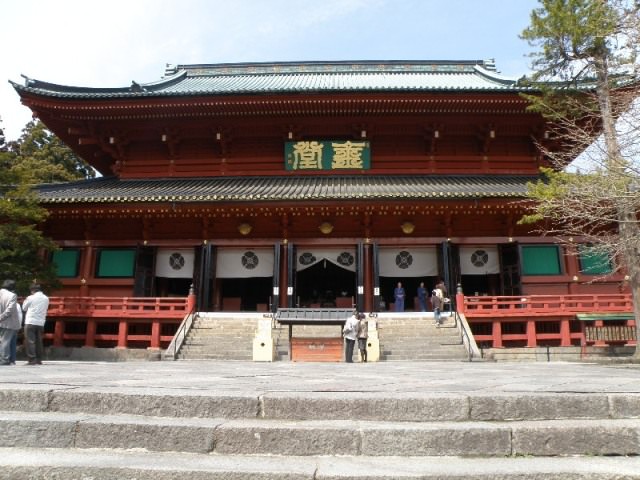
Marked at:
<point>2,137</point>
<point>22,244</point>
<point>41,157</point>
<point>571,34</point>
<point>37,157</point>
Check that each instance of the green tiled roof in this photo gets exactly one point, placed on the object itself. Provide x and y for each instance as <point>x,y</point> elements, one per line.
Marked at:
<point>294,77</point>
<point>290,188</point>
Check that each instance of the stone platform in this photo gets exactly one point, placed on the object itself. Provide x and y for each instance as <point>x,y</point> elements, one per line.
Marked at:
<point>245,420</point>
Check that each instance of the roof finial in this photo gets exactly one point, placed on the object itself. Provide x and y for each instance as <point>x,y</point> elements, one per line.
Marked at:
<point>136,87</point>
<point>169,69</point>
<point>27,81</point>
<point>490,64</point>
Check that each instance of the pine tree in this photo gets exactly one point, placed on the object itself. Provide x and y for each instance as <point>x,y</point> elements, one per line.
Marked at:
<point>588,52</point>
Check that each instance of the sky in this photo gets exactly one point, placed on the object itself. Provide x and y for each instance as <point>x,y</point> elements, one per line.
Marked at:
<point>110,44</point>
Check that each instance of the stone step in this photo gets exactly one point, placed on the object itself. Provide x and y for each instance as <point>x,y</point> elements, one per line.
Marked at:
<point>213,338</point>
<point>321,437</point>
<point>197,333</point>
<point>50,464</point>
<point>216,356</point>
<point>227,343</point>
<point>424,358</point>
<point>212,347</point>
<point>330,405</point>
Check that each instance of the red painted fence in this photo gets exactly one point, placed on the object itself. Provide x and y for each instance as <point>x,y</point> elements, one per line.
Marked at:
<point>115,321</point>
<point>500,321</point>
<point>537,320</point>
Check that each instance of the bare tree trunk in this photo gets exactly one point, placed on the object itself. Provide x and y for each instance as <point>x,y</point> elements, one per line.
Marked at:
<point>628,229</point>
<point>629,233</point>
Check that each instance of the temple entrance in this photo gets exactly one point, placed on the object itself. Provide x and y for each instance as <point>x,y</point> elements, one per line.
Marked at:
<point>325,285</point>
<point>172,287</point>
<point>246,294</point>
<point>410,265</point>
<point>410,285</point>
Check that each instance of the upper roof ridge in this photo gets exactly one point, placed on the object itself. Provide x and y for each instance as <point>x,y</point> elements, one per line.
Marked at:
<point>337,66</point>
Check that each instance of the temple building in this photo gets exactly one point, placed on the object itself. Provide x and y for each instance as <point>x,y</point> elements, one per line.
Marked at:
<point>304,184</point>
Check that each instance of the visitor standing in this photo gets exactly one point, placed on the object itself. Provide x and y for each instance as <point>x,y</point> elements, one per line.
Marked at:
<point>437,300</point>
<point>398,297</point>
<point>13,351</point>
<point>422,297</point>
<point>363,335</point>
<point>350,332</point>
<point>9,320</point>
<point>35,307</point>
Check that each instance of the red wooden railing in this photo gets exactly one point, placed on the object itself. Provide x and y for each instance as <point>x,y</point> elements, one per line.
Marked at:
<point>534,320</point>
<point>527,320</point>
<point>115,321</point>
<point>544,305</point>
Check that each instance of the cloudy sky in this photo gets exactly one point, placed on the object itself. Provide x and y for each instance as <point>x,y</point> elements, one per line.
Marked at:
<point>96,44</point>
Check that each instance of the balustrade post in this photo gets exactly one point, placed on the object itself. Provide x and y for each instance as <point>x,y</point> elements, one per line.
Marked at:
<point>191,300</point>
<point>565,333</point>
<point>90,335</point>
<point>496,334</point>
<point>123,327</point>
<point>155,335</point>
<point>532,341</point>
<point>58,334</point>
<point>460,306</point>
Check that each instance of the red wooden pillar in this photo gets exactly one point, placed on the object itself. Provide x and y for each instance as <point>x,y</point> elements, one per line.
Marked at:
<point>565,333</point>
<point>90,336</point>
<point>58,334</point>
<point>86,270</point>
<point>155,334</point>
<point>496,334</point>
<point>573,268</point>
<point>123,328</point>
<point>532,341</point>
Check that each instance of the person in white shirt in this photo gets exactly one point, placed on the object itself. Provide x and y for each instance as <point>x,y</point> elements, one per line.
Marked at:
<point>35,306</point>
<point>9,320</point>
<point>350,332</point>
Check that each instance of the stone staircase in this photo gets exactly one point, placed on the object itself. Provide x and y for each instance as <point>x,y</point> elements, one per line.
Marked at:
<point>101,434</point>
<point>406,337</point>
<point>219,338</point>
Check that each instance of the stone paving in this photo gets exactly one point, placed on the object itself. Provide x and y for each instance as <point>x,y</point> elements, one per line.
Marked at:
<point>237,377</point>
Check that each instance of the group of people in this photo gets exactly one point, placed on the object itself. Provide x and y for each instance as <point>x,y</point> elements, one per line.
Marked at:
<point>438,298</point>
<point>356,328</point>
<point>34,308</point>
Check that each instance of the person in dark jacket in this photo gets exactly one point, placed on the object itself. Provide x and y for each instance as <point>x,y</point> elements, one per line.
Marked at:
<point>363,335</point>
<point>398,298</point>
<point>422,297</point>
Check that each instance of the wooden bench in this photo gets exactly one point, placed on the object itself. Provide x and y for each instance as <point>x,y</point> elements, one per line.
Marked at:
<point>319,349</point>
